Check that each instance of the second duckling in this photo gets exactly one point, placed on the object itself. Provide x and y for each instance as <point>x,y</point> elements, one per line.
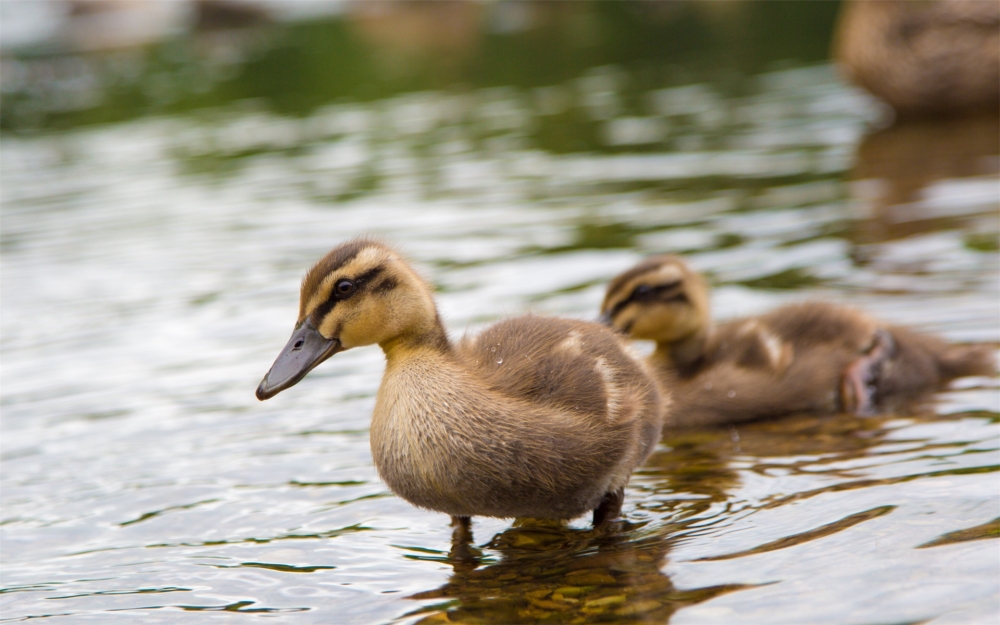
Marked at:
<point>535,417</point>
<point>803,358</point>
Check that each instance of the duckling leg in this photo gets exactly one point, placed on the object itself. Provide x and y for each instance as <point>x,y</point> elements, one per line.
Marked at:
<point>463,529</point>
<point>610,508</point>
<point>860,383</point>
<point>463,555</point>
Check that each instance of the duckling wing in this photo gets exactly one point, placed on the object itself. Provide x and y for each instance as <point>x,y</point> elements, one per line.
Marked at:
<point>563,363</point>
<point>773,340</point>
<point>811,324</point>
<point>794,359</point>
<point>918,360</point>
<point>751,344</point>
<point>729,392</point>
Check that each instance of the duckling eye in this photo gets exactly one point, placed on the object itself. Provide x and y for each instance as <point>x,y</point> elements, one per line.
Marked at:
<point>344,288</point>
<point>649,293</point>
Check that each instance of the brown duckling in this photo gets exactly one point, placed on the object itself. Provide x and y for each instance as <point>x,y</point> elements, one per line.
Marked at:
<point>931,57</point>
<point>802,358</point>
<point>535,417</point>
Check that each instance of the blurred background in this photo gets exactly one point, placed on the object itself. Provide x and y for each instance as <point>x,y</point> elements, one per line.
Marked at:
<point>169,169</point>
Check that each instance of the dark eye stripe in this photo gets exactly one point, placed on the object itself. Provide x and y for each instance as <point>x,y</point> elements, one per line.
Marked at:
<point>617,308</point>
<point>367,277</point>
<point>323,310</point>
<point>654,292</point>
<point>384,286</point>
<point>647,293</point>
<point>359,283</point>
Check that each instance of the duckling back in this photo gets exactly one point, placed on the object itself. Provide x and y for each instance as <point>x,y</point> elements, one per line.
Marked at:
<point>905,364</point>
<point>801,358</point>
<point>565,364</point>
<point>790,360</point>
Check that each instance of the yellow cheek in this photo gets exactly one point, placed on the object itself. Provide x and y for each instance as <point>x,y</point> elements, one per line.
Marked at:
<point>650,328</point>
<point>330,325</point>
<point>662,323</point>
<point>360,328</point>
<point>642,323</point>
<point>682,323</point>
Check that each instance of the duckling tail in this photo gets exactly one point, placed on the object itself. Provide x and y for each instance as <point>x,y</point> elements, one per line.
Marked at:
<point>961,360</point>
<point>924,363</point>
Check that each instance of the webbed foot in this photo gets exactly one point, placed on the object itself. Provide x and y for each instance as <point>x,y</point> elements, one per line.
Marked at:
<point>859,388</point>
<point>463,554</point>
<point>609,509</point>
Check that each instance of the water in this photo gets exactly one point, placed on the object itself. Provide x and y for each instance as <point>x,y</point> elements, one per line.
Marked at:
<point>150,273</point>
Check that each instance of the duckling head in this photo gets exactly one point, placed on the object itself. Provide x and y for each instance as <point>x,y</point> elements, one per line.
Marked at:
<point>660,299</point>
<point>361,293</point>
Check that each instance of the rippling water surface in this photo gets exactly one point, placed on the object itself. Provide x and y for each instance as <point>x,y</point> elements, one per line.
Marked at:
<point>150,274</point>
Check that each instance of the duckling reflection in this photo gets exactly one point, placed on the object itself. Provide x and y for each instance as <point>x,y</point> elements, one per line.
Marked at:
<point>693,470</point>
<point>571,575</point>
<point>934,57</point>
<point>895,166</point>
<point>547,571</point>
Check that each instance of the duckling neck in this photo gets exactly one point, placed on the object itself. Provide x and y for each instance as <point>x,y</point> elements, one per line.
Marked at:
<point>424,423</point>
<point>686,355</point>
<point>431,338</point>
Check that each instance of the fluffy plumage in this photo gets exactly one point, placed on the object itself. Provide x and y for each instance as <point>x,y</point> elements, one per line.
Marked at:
<point>534,417</point>
<point>810,357</point>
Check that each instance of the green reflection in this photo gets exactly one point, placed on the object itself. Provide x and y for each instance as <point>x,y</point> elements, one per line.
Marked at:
<point>351,529</point>
<point>283,568</point>
<point>136,591</point>
<point>365,55</point>
<point>794,278</point>
<point>150,515</point>
<point>990,529</point>
<point>804,537</point>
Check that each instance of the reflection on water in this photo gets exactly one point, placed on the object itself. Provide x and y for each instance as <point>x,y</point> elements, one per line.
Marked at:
<point>378,50</point>
<point>564,575</point>
<point>149,268</point>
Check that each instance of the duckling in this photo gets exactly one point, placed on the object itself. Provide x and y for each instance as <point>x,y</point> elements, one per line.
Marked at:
<point>923,57</point>
<point>535,417</point>
<point>811,357</point>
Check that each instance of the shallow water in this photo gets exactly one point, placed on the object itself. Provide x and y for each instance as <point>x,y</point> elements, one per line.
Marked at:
<point>150,271</point>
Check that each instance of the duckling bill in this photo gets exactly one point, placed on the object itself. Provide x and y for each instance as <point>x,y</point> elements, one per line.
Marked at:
<point>306,349</point>
<point>812,357</point>
<point>534,417</point>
